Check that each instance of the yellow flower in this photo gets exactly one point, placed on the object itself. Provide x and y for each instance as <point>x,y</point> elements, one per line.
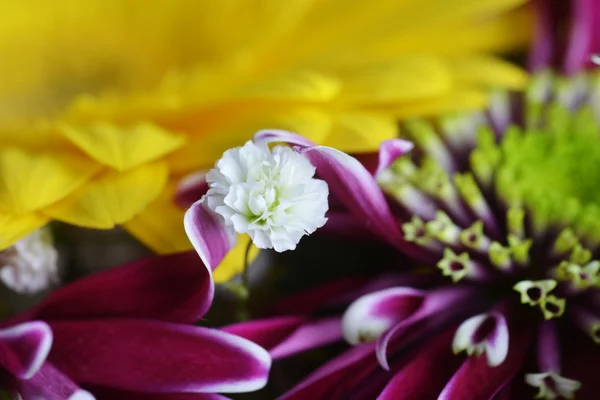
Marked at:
<point>106,105</point>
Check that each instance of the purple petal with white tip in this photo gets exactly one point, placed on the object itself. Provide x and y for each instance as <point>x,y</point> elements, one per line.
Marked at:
<point>578,51</point>
<point>51,384</point>
<point>475,379</point>
<point>208,234</point>
<point>356,188</point>
<point>488,330</point>
<point>24,348</point>
<point>389,151</point>
<point>373,314</point>
<point>149,356</point>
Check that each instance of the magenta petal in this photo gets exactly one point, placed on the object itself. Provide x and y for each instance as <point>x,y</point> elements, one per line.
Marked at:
<point>175,288</point>
<point>51,384</point>
<point>149,356</point>
<point>318,384</point>
<point>373,314</point>
<point>356,188</point>
<point>191,189</point>
<point>111,394</point>
<point>267,333</point>
<point>278,135</point>
<point>426,374</point>
<point>389,151</point>
<point>24,348</point>
<point>475,379</point>
<point>208,234</point>
<point>309,336</point>
<point>578,51</point>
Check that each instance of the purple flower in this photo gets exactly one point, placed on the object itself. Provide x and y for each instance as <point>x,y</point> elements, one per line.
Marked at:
<point>126,333</point>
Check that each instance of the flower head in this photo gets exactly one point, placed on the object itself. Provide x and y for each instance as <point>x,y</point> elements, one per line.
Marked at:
<point>169,86</point>
<point>31,264</point>
<point>270,195</point>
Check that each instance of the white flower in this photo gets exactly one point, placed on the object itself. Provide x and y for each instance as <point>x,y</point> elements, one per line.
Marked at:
<point>31,264</point>
<point>269,194</point>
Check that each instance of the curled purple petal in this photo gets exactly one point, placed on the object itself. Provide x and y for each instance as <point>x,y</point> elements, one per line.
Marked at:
<point>373,314</point>
<point>356,188</point>
<point>389,151</point>
<point>24,348</point>
<point>208,234</point>
<point>149,356</point>
<point>436,309</point>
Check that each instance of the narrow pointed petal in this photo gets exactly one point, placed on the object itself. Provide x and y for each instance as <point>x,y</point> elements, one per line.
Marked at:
<point>582,35</point>
<point>489,330</point>
<point>309,336</point>
<point>267,333</point>
<point>148,356</point>
<point>426,374</point>
<point>475,379</point>
<point>51,384</point>
<point>175,288</point>
<point>371,315</point>
<point>24,348</point>
<point>389,151</point>
<point>208,234</point>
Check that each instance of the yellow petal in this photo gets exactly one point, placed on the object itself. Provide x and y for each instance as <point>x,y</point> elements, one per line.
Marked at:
<point>112,198</point>
<point>361,131</point>
<point>488,71</point>
<point>456,101</point>
<point>406,78</point>
<point>160,225</point>
<point>296,85</point>
<point>204,148</point>
<point>31,180</point>
<point>16,227</point>
<point>123,148</point>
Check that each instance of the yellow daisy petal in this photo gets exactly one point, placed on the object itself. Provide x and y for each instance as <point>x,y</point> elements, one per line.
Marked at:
<point>205,147</point>
<point>123,148</point>
<point>361,131</point>
<point>16,227</point>
<point>488,71</point>
<point>30,180</point>
<point>406,78</point>
<point>112,198</point>
<point>160,225</point>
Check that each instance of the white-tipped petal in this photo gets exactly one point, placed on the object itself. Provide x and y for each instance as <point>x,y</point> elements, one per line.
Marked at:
<point>371,315</point>
<point>552,386</point>
<point>483,333</point>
